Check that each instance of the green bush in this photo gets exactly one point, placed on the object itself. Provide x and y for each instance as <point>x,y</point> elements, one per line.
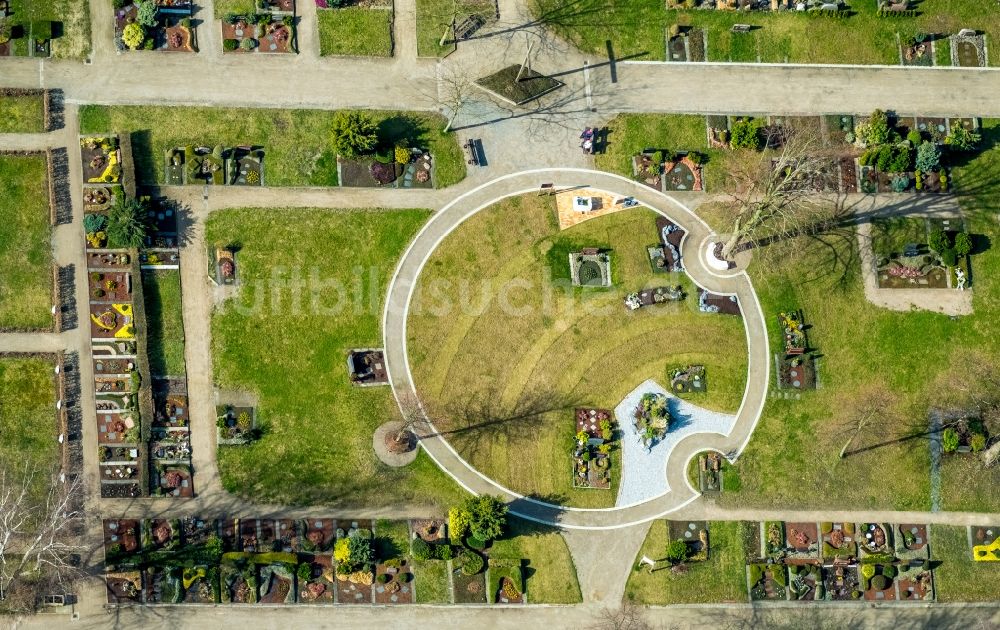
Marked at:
<point>914,137</point>
<point>876,130</point>
<point>383,578</point>
<point>475,543</point>
<point>305,572</point>
<point>248,44</point>
<point>745,135</point>
<point>419,549</point>
<point>354,133</point>
<point>94,222</point>
<point>961,139</point>
<point>443,552</point>
<point>949,439</point>
<point>977,442</point>
<point>229,45</point>
<point>472,562</point>
<point>963,244</point>
<point>889,571</point>
<point>677,551</point>
<point>880,582</point>
<point>928,157</point>
<point>949,257</point>
<point>938,241</point>
<point>127,223</point>
<point>146,13</point>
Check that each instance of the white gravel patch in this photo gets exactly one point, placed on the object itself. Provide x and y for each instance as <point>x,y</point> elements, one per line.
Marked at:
<point>644,472</point>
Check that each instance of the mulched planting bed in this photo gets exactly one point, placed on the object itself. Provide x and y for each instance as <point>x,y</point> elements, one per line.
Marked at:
<point>112,427</point>
<point>682,175</point>
<point>111,321</point>
<point>352,593</point>
<point>124,588</point>
<point>876,594</point>
<point>170,409</point>
<point>97,198</point>
<point>801,540</point>
<point>430,530</point>
<point>101,159</point>
<point>874,538</point>
<point>277,583</point>
<point>647,170</point>
<point>110,286</point>
<point>122,532</point>
<point>234,586</point>
<point>934,128</point>
<point>175,481</point>
<point>767,581</point>
<point>109,384</point>
<point>319,589</point>
<point>911,537</point>
<point>228,532</point>
<point>318,534</point>
<point>199,589</point>
<point>399,589</point>
<point>368,173</point>
<point>267,535</point>
<point>505,85</point>
<point>161,533</point>
<point>837,126</point>
<point>589,420</point>
<point>692,533</point>
<point>120,491</point>
<point>469,589</point>
<point>113,366</point>
<point>286,535</point>
<point>271,35</point>
<point>108,260</point>
<point>798,372</point>
<point>196,531</point>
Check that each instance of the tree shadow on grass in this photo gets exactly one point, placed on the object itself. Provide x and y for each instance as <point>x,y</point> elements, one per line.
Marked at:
<point>402,129</point>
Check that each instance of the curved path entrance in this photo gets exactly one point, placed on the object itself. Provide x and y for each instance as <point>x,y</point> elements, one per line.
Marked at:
<point>448,218</point>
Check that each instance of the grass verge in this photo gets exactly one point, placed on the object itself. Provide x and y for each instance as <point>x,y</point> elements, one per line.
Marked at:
<point>28,418</point>
<point>164,321</point>
<point>297,143</point>
<point>25,248</point>
<point>22,114</point>
<point>289,347</point>
<point>355,31</point>
<point>70,28</point>
<point>431,582</point>
<point>959,578</point>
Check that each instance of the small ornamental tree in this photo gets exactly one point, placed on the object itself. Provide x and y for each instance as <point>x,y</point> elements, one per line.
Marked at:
<point>938,241</point>
<point>420,549</point>
<point>485,516</point>
<point>354,133</point>
<point>677,551</point>
<point>963,244</point>
<point>133,35</point>
<point>458,523</point>
<point>928,157</point>
<point>146,13</point>
<point>127,223</point>
<point>745,135</point>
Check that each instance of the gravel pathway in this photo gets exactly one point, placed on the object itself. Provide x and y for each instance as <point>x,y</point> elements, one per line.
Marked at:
<point>644,471</point>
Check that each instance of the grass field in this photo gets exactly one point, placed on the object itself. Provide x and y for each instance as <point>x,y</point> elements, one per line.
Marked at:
<point>290,350</point>
<point>25,248</point>
<point>28,418</point>
<point>551,575</point>
<point>22,114</point>
<point>721,578</point>
<point>236,7</point>
<point>532,350</point>
<point>297,143</point>
<point>355,31</point>
<point>71,18</point>
<point>959,578</point>
<point>164,322</point>
<point>638,27</point>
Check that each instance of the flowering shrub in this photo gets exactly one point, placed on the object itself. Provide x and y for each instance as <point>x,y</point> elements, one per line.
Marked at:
<point>133,35</point>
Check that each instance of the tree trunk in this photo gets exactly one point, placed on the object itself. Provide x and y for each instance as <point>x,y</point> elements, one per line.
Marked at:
<point>734,240</point>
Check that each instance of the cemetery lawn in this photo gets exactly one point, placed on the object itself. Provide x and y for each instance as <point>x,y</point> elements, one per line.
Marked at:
<point>22,114</point>
<point>237,7</point>
<point>551,574</point>
<point>164,321</point>
<point>355,31</point>
<point>638,27</point>
<point>25,248</point>
<point>73,15</point>
<point>317,442</point>
<point>297,142</point>
<point>536,362</point>
<point>959,578</point>
<point>722,578</point>
<point>28,417</point>
<point>433,16</point>
<point>792,458</point>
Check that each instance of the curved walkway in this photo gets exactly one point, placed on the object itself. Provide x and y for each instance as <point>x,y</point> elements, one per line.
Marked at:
<point>448,218</point>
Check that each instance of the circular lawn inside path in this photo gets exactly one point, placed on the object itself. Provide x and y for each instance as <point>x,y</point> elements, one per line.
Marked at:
<point>502,347</point>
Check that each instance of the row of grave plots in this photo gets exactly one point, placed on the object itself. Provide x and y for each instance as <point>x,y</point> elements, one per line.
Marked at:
<point>967,49</point>
<point>170,29</point>
<point>844,173</point>
<point>841,562</point>
<point>269,29</point>
<point>25,39</point>
<point>289,561</point>
<point>143,441</point>
<point>214,166</point>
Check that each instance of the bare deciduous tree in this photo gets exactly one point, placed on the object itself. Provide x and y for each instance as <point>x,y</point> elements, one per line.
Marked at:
<point>777,196</point>
<point>629,617</point>
<point>37,536</point>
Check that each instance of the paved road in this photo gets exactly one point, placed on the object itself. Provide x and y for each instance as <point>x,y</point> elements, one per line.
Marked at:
<point>441,224</point>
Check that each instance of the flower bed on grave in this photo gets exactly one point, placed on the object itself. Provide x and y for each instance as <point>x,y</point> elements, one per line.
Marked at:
<point>590,268</point>
<point>647,168</point>
<point>318,587</point>
<point>842,582</point>
<point>806,582</point>
<point>985,541</point>
<point>170,409</point>
<point>258,33</point>
<point>878,581</point>
<point>796,368</point>
<point>388,167</point>
<point>874,538</point>
<point>914,253</point>
<point>966,435</point>
<point>767,581</point>
<point>235,424</point>
<point>710,473</point>
<point>112,321</point>
<point>801,542</point>
<point>468,578</point>
<point>694,534</point>
<point>838,541</point>
<point>98,198</point>
<point>393,582</point>
<point>101,159</point>
<point>651,297</point>
<point>652,417</point>
<point>277,584</point>
<point>506,581</point>
<point>689,379</point>
<point>124,587</point>
<point>683,173</point>
<point>714,303</point>
<point>154,25</point>
<point>110,286</point>
<point>108,260</point>
<point>917,50</point>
